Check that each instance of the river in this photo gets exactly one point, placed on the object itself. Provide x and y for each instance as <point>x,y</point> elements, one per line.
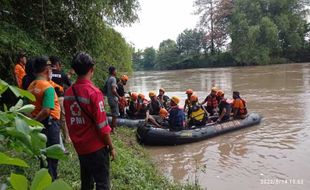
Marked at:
<point>274,155</point>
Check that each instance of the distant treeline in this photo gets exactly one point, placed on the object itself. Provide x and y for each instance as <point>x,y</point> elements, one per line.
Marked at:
<point>62,28</point>
<point>235,33</point>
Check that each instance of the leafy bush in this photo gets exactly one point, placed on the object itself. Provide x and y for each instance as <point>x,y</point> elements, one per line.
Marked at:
<point>21,135</point>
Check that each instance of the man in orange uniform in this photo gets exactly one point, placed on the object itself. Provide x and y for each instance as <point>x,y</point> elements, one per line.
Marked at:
<point>19,69</point>
<point>239,106</point>
<point>212,101</point>
<point>47,109</point>
<point>88,126</point>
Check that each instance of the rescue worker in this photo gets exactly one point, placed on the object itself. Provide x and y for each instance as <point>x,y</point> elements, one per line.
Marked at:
<point>88,125</point>
<point>132,111</point>
<point>224,108</point>
<point>176,115</point>
<point>187,103</point>
<point>122,102</point>
<point>47,108</point>
<point>161,120</point>
<point>63,82</point>
<point>164,99</point>
<point>239,106</point>
<point>212,102</point>
<point>154,105</point>
<point>113,96</point>
<point>142,106</point>
<point>19,69</point>
<point>197,113</point>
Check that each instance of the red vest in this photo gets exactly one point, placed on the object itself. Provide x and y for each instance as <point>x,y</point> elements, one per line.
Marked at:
<point>86,133</point>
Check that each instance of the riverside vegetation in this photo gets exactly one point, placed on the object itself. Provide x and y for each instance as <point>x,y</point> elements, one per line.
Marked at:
<point>22,145</point>
<point>235,33</point>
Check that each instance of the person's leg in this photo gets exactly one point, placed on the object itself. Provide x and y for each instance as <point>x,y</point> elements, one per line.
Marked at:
<point>99,168</point>
<point>114,112</point>
<point>87,181</point>
<point>52,138</point>
<point>101,172</point>
<point>152,120</point>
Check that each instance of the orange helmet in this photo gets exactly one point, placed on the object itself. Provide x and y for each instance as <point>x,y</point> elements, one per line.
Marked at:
<point>124,78</point>
<point>214,89</point>
<point>141,96</point>
<point>163,112</point>
<point>194,98</point>
<point>152,94</point>
<point>220,93</point>
<point>134,96</point>
<point>175,99</point>
<point>189,91</point>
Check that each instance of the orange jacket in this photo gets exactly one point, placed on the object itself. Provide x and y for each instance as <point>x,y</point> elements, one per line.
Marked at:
<point>19,71</point>
<point>37,88</point>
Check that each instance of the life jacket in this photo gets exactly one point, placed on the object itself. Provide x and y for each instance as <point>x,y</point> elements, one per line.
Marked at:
<point>242,110</point>
<point>122,102</point>
<point>212,101</point>
<point>197,113</point>
<point>141,104</point>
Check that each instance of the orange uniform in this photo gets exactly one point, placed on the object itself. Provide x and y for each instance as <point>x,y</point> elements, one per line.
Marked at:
<point>38,88</point>
<point>19,72</point>
<point>239,104</point>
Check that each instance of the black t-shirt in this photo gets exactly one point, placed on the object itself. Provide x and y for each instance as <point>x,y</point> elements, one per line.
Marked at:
<point>223,104</point>
<point>154,107</point>
<point>60,78</point>
<point>120,90</point>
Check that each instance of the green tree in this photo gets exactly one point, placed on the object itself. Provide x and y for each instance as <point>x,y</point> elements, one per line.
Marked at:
<point>190,42</point>
<point>167,55</point>
<point>149,56</point>
<point>66,27</point>
<point>262,31</point>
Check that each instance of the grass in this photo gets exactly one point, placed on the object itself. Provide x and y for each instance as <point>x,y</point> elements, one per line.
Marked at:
<point>132,169</point>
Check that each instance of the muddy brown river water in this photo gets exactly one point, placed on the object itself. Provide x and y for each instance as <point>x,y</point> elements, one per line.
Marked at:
<point>274,155</point>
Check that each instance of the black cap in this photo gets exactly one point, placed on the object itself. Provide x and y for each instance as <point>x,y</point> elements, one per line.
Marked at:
<point>82,63</point>
<point>40,63</point>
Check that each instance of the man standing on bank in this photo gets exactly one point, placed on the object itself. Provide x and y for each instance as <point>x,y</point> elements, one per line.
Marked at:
<point>88,125</point>
<point>113,96</point>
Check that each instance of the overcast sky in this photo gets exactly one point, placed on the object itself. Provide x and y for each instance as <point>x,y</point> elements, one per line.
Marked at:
<point>160,20</point>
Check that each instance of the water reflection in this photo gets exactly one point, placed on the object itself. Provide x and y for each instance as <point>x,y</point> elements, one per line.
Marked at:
<point>277,149</point>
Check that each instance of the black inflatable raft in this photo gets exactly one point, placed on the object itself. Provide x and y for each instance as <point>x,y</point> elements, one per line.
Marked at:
<point>157,136</point>
<point>131,123</point>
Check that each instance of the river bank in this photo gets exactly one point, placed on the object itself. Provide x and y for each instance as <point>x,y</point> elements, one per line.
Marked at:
<point>132,169</point>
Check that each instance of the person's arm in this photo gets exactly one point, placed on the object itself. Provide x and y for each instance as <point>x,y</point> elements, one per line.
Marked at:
<point>204,101</point>
<point>114,86</point>
<point>55,85</point>
<point>108,141</point>
<point>222,114</point>
<point>102,123</point>
<point>47,104</point>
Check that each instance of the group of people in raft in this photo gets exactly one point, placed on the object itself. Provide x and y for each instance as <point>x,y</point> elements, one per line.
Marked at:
<point>164,112</point>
